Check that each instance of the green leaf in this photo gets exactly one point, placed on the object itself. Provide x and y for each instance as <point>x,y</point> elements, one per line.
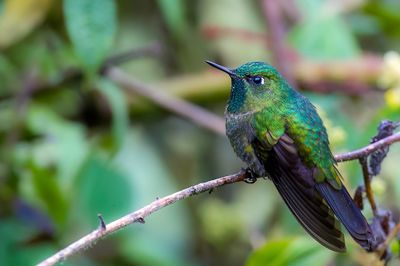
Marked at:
<point>119,109</point>
<point>299,251</point>
<point>19,18</point>
<point>240,16</point>
<point>102,188</point>
<point>8,75</point>
<point>141,160</point>
<point>63,143</point>
<point>13,247</point>
<point>91,26</point>
<point>49,190</point>
<point>174,15</point>
<point>323,34</point>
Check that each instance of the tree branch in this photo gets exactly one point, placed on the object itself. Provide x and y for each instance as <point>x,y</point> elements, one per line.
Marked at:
<point>185,109</point>
<point>139,215</point>
<point>368,149</point>
<point>367,184</point>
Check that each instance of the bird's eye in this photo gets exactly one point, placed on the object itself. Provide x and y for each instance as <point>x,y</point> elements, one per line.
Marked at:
<point>258,80</point>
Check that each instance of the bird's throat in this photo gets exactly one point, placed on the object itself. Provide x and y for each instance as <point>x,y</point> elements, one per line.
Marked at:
<point>237,97</point>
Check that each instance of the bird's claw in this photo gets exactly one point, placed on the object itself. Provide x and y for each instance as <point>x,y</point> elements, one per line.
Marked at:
<point>250,176</point>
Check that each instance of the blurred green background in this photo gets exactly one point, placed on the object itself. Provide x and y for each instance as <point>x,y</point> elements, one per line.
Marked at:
<point>73,143</point>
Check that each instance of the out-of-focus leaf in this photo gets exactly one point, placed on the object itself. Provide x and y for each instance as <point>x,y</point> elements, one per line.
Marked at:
<point>385,12</point>
<point>395,247</point>
<point>63,143</point>
<point>49,191</point>
<point>299,251</point>
<point>7,119</point>
<point>391,174</point>
<point>136,36</point>
<point>323,34</point>
<point>20,17</point>
<point>141,161</point>
<point>119,109</point>
<point>220,223</point>
<point>102,188</point>
<point>13,250</point>
<point>182,34</point>
<point>8,74</point>
<point>392,97</point>
<point>231,24</point>
<point>33,216</point>
<point>91,27</point>
<point>174,15</point>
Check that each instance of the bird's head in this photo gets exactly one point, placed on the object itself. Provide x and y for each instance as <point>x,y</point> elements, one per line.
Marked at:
<point>254,86</point>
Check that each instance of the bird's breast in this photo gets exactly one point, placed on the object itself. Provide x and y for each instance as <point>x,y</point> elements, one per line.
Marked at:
<point>237,123</point>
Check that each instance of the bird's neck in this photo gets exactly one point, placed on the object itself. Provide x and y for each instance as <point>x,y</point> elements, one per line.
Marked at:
<point>237,98</point>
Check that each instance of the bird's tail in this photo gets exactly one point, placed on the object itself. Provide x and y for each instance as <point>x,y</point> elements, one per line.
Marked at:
<point>348,213</point>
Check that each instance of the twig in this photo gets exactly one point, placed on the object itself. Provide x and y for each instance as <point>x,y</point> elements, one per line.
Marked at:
<point>37,85</point>
<point>169,102</point>
<point>367,184</point>
<point>151,50</point>
<point>368,149</point>
<point>139,215</point>
<point>354,77</point>
<point>393,233</point>
<point>102,224</point>
<point>372,167</point>
<point>382,249</point>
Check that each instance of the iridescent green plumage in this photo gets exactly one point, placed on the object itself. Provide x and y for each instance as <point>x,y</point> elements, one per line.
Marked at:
<point>279,134</point>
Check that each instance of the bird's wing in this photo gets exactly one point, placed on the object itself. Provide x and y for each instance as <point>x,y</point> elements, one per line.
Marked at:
<point>295,184</point>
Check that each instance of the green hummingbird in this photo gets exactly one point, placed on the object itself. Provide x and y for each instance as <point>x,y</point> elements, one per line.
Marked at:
<point>277,132</point>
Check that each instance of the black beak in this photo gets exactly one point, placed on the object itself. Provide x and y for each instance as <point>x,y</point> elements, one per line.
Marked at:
<point>222,68</point>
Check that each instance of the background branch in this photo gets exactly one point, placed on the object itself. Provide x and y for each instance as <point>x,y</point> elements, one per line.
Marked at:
<point>273,15</point>
<point>176,105</point>
<point>139,215</point>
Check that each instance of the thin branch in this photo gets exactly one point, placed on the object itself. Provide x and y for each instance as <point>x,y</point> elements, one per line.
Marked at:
<point>139,215</point>
<point>154,49</point>
<point>392,235</point>
<point>70,73</point>
<point>185,109</point>
<point>382,249</point>
<point>368,149</point>
<point>367,184</point>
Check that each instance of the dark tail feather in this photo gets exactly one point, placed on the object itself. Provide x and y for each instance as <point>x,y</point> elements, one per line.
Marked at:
<point>296,186</point>
<point>311,212</point>
<point>348,213</point>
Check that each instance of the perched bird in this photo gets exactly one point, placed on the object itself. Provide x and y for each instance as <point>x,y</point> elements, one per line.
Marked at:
<point>277,132</point>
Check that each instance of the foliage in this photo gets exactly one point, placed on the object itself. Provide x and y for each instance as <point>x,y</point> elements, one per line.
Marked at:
<point>290,251</point>
<point>91,27</point>
<point>75,144</point>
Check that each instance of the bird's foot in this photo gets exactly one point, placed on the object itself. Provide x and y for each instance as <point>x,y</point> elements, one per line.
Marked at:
<point>250,176</point>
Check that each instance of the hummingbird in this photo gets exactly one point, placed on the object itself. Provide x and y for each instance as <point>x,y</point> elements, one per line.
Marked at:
<point>278,133</point>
